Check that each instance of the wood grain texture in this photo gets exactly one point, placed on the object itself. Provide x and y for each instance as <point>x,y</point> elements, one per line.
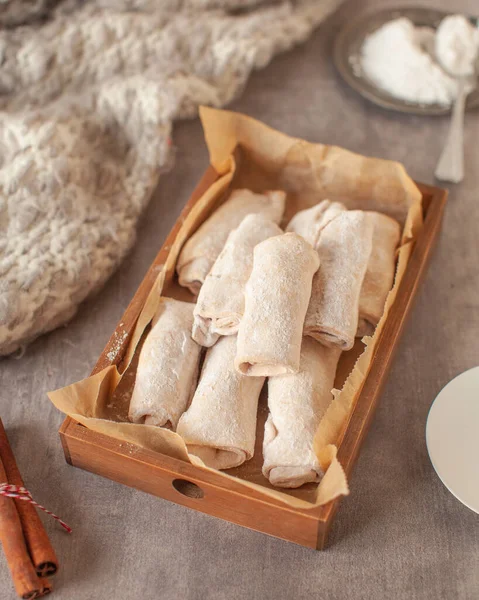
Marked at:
<point>224,498</point>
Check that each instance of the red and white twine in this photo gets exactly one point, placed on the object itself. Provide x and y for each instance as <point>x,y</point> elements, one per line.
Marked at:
<point>21,493</point>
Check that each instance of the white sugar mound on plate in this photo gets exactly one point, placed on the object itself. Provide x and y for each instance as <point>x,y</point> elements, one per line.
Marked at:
<point>395,58</point>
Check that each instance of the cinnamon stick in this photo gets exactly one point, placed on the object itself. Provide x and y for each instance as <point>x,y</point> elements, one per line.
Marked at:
<point>46,587</point>
<point>40,548</point>
<point>26,581</point>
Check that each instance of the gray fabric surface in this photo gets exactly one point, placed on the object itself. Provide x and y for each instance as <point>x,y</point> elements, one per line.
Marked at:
<point>400,534</point>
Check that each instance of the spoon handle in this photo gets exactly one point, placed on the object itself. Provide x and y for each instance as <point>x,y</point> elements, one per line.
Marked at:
<point>451,164</point>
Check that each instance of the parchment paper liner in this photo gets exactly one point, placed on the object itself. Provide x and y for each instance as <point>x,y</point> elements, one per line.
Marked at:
<point>309,173</point>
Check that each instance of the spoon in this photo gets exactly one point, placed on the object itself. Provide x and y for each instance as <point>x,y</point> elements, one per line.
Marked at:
<point>450,166</point>
<point>456,50</point>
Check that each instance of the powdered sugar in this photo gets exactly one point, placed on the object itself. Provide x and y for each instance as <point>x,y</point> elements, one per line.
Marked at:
<point>120,337</point>
<point>397,58</point>
<point>456,45</point>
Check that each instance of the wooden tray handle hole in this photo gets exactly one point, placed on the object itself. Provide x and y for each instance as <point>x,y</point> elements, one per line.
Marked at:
<point>187,488</point>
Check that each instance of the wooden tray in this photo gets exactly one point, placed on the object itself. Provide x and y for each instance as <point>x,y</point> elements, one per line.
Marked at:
<point>205,491</point>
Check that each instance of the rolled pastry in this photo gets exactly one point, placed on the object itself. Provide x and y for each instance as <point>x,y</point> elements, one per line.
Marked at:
<point>344,248</point>
<point>202,249</point>
<point>220,424</point>
<point>379,276</point>
<point>310,222</point>
<point>220,303</point>
<point>168,367</point>
<point>276,299</point>
<point>297,404</point>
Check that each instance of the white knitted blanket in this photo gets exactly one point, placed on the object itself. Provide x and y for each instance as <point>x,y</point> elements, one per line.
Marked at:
<point>87,101</point>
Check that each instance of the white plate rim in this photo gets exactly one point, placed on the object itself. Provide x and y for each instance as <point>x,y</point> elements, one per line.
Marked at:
<point>441,477</point>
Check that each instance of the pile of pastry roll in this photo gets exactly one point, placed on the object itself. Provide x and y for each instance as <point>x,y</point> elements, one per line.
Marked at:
<point>271,304</point>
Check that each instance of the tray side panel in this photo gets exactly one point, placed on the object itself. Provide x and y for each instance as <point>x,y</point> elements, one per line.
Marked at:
<point>174,486</point>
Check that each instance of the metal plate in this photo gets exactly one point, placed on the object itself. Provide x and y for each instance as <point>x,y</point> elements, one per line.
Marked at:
<point>347,58</point>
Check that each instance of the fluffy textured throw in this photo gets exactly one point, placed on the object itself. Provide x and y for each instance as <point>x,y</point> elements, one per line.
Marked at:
<point>88,97</point>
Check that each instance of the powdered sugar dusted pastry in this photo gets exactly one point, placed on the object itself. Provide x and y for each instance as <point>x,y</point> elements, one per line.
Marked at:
<point>344,248</point>
<point>379,276</point>
<point>310,222</point>
<point>276,299</point>
<point>202,249</point>
<point>168,367</point>
<point>220,424</point>
<point>220,303</point>
<point>297,404</point>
